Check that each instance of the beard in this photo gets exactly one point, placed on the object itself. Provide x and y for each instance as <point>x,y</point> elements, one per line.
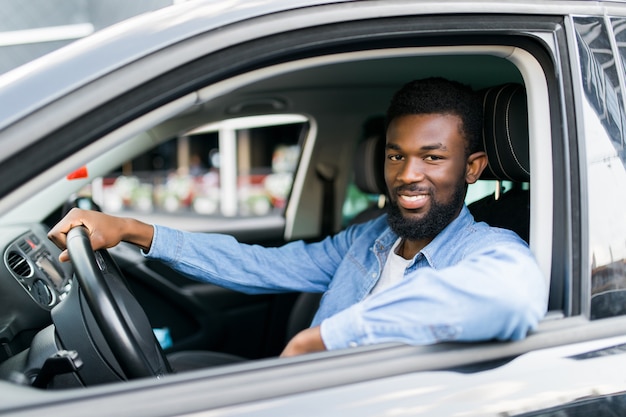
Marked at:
<point>438,217</point>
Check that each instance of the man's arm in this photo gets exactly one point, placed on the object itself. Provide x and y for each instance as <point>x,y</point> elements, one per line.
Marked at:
<point>499,293</point>
<point>105,231</point>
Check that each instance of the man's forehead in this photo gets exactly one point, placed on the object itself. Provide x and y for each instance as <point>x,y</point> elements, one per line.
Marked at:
<point>430,130</point>
<point>426,146</point>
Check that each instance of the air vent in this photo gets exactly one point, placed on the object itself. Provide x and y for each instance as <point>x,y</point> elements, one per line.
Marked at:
<point>18,264</point>
<point>24,245</point>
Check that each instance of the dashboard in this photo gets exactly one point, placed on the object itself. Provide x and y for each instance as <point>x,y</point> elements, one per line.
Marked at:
<point>32,282</point>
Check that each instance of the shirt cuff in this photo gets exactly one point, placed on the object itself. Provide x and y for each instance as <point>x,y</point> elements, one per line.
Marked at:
<point>165,244</point>
<point>345,329</point>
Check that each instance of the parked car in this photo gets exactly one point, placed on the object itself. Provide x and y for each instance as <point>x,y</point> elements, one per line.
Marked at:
<point>552,74</point>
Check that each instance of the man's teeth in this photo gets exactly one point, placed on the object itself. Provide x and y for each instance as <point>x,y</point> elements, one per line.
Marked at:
<point>412,197</point>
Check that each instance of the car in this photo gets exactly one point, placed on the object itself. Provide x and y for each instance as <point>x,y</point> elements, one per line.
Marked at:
<point>261,120</point>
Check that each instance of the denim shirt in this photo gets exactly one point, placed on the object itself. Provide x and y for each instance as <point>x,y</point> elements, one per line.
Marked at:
<point>472,282</point>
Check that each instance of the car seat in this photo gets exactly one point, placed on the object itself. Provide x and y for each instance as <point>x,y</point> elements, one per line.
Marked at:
<point>505,140</point>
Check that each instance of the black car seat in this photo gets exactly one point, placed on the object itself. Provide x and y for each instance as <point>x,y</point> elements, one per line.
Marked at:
<point>505,140</point>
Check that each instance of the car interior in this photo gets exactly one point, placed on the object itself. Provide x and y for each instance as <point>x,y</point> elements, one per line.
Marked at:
<point>339,94</point>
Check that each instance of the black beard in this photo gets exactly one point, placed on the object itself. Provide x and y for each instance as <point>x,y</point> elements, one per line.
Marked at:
<point>439,216</point>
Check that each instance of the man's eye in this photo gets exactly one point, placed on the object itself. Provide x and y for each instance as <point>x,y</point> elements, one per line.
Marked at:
<point>395,157</point>
<point>433,158</point>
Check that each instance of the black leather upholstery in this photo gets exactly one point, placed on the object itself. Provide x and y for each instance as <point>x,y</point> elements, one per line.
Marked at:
<point>505,133</point>
<point>505,139</point>
<point>509,211</point>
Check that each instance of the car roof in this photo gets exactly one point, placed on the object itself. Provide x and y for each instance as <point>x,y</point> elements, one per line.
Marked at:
<point>30,87</point>
<point>120,44</point>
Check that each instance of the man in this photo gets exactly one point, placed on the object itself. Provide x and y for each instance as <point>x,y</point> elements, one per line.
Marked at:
<point>426,272</point>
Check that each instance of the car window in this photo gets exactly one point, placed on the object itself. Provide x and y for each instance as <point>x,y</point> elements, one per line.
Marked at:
<point>484,188</point>
<point>234,168</point>
<point>358,201</point>
<point>606,161</point>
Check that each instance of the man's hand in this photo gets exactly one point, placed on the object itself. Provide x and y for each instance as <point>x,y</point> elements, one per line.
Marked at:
<point>307,341</point>
<point>104,231</point>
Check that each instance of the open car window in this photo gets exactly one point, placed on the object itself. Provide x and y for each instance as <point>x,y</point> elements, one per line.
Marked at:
<point>235,168</point>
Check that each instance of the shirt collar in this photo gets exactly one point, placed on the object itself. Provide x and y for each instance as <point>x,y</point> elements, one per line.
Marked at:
<point>436,251</point>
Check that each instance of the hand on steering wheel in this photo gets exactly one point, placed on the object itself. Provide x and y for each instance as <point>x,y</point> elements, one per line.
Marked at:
<point>117,313</point>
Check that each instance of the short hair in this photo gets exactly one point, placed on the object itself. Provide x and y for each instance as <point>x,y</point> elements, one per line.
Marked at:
<point>438,95</point>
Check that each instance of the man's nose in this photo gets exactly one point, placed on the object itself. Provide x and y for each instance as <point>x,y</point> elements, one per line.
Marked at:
<point>412,171</point>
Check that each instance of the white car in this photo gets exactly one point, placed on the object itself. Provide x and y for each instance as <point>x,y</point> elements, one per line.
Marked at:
<point>251,118</point>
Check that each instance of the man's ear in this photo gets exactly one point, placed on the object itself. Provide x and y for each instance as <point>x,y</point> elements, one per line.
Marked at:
<point>476,163</point>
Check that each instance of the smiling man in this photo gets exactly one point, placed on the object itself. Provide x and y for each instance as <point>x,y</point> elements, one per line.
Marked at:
<point>425,272</point>
<point>432,153</point>
<point>426,170</point>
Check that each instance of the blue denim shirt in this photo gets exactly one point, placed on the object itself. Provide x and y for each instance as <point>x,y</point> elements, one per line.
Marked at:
<point>472,282</point>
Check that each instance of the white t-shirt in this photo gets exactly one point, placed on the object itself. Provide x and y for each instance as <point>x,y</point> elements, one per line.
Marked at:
<point>394,268</point>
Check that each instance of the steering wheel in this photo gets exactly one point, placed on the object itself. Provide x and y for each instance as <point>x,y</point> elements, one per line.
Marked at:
<point>119,316</point>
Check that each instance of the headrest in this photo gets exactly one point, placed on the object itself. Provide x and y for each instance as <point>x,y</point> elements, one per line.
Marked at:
<point>369,165</point>
<point>505,133</point>
<point>505,140</point>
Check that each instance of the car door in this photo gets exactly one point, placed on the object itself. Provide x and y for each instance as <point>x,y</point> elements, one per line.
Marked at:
<point>538,48</point>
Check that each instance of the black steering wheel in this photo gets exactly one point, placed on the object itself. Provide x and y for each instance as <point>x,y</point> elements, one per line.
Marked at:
<point>119,316</point>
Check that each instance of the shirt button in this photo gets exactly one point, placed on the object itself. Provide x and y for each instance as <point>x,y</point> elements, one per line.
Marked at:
<point>352,344</point>
<point>373,274</point>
